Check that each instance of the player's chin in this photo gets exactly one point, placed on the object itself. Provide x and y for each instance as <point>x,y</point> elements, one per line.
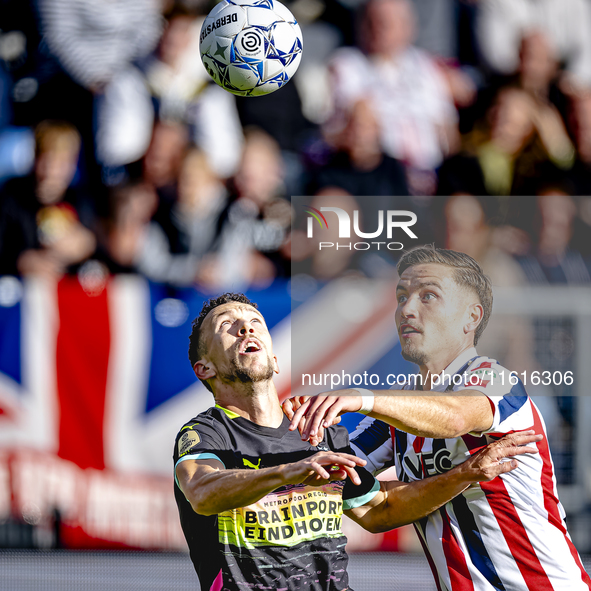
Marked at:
<point>407,350</point>
<point>256,358</point>
<point>249,362</point>
<point>411,353</point>
<point>256,366</point>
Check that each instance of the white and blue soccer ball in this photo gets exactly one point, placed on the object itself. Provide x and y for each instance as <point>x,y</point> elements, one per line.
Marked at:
<point>250,47</point>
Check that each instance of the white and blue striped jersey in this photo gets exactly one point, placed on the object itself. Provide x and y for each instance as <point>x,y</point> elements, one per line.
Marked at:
<point>508,534</point>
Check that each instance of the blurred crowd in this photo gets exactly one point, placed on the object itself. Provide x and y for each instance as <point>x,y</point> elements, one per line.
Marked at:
<point>118,154</point>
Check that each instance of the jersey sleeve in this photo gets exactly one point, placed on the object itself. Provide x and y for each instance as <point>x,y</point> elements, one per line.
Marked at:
<point>354,495</point>
<point>372,441</point>
<point>505,392</point>
<point>200,439</point>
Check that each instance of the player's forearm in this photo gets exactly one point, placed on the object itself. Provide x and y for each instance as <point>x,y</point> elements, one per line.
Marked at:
<point>399,503</point>
<point>229,489</point>
<point>439,417</point>
<point>405,503</point>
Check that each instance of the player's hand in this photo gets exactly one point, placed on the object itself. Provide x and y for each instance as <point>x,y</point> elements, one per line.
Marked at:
<point>324,467</point>
<point>323,410</point>
<point>489,462</point>
<point>290,406</point>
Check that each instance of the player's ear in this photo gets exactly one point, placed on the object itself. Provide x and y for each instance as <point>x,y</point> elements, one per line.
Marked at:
<point>474,315</point>
<point>275,364</point>
<point>204,369</point>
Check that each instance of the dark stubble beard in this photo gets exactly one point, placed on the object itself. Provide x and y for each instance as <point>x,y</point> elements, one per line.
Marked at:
<point>246,375</point>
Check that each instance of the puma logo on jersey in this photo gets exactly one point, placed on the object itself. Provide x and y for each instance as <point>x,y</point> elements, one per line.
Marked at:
<point>249,464</point>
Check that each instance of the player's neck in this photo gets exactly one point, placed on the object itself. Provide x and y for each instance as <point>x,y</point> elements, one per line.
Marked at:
<point>258,402</point>
<point>437,363</point>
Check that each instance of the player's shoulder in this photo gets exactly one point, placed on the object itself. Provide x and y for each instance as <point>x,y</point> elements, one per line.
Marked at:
<point>210,419</point>
<point>482,363</point>
<point>208,430</point>
<point>489,376</point>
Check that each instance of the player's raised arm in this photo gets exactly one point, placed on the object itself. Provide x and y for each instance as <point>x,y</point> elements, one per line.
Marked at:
<point>437,416</point>
<point>211,489</point>
<point>400,503</point>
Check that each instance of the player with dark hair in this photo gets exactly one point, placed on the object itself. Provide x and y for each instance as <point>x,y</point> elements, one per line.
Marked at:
<point>196,346</point>
<point>506,534</point>
<point>259,507</point>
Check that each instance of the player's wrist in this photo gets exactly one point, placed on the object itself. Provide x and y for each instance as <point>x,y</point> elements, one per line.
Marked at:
<point>466,473</point>
<point>290,474</point>
<point>367,400</point>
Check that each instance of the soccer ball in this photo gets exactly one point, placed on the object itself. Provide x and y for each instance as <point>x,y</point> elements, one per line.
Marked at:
<point>250,47</point>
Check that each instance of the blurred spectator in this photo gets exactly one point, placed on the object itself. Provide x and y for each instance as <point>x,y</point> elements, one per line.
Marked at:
<point>40,229</point>
<point>123,234</point>
<point>96,44</point>
<point>174,74</point>
<point>280,116</point>
<point>185,220</point>
<point>163,160</point>
<point>184,92</point>
<point>520,135</point>
<point>538,65</point>
<point>551,258</point>
<point>202,198</point>
<point>260,176</point>
<point>191,224</point>
<point>359,165</point>
<point>132,242</point>
<point>417,117</point>
<point>255,224</point>
<point>502,23</point>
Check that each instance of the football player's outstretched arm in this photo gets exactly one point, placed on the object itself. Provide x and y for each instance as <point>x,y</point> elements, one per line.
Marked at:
<point>400,503</point>
<point>212,489</point>
<point>438,415</point>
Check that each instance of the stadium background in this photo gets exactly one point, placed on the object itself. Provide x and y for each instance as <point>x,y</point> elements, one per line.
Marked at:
<point>132,188</point>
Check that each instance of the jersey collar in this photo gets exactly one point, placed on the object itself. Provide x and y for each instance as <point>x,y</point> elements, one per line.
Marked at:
<point>279,432</point>
<point>229,413</point>
<point>457,365</point>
